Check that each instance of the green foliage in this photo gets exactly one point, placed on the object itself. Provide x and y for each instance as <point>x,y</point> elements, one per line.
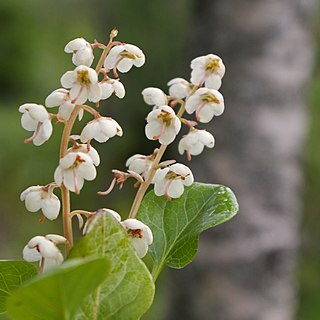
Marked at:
<point>59,293</point>
<point>176,224</point>
<point>128,290</point>
<point>13,274</point>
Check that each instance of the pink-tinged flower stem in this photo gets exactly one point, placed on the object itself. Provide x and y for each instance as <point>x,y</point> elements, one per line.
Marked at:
<point>65,195</point>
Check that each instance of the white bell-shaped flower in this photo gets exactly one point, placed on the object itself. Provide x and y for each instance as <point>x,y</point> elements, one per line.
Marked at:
<point>110,86</point>
<point>41,197</point>
<point>36,118</point>
<point>140,164</point>
<point>123,57</point>
<point>154,96</point>
<point>163,124</point>
<point>207,103</point>
<point>90,151</point>
<point>81,50</point>
<point>91,221</point>
<point>73,169</point>
<point>61,98</point>
<point>179,88</point>
<point>101,130</point>
<point>170,181</point>
<point>83,82</point>
<point>139,234</point>
<point>195,141</point>
<point>207,69</point>
<point>44,249</point>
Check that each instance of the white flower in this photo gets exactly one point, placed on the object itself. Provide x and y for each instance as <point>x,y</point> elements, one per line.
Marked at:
<point>91,221</point>
<point>83,82</point>
<point>61,98</point>
<point>41,197</point>
<point>73,169</point>
<point>163,124</point>
<point>110,86</point>
<point>90,151</point>
<point>206,103</point>
<point>195,141</point>
<point>140,164</point>
<point>123,57</point>
<point>139,234</point>
<point>179,88</point>
<point>154,96</point>
<point>44,249</point>
<point>82,52</point>
<point>207,69</point>
<point>170,181</point>
<point>36,118</point>
<point>101,129</point>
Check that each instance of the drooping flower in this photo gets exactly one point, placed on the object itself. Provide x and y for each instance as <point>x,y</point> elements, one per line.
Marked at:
<point>139,234</point>
<point>207,69</point>
<point>91,221</point>
<point>123,57</point>
<point>154,96</point>
<point>73,169</point>
<point>90,151</point>
<point>170,181</point>
<point>179,88</point>
<point>83,82</point>
<point>101,130</point>
<point>110,86</point>
<point>195,141</point>
<point>41,197</point>
<point>207,103</point>
<point>61,98</point>
<point>140,164</point>
<point>44,249</point>
<point>81,50</point>
<point>163,124</point>
<point>36,118</point>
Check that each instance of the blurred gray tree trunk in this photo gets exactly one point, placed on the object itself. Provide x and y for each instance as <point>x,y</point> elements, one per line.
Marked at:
<point>245,268</point>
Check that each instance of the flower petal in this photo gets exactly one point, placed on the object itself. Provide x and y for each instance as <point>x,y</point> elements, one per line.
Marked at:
<point>51,207</point>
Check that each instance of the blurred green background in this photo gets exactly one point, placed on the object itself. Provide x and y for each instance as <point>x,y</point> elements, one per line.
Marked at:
<point>33,36</point>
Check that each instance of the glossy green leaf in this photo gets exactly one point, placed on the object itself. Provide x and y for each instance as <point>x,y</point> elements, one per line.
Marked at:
<point>58,294</point>
<point>12,275</point>
<point>128,290</point>
<point>177,224</point>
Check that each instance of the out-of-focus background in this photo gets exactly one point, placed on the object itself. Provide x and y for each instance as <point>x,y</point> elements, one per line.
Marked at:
<point>265,264</point>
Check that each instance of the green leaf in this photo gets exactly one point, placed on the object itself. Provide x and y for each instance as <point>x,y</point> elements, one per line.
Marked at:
<point>128,291</point>
<point>177,224</point>
<point>59,293</point>
<point>12,275</point>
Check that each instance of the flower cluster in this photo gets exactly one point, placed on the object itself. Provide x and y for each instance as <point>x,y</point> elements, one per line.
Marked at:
<point>83,88</point>
<point>199,96</point>
<point>78,162</point>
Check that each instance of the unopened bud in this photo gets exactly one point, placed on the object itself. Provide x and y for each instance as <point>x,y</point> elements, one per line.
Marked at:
<point>113,33</point>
